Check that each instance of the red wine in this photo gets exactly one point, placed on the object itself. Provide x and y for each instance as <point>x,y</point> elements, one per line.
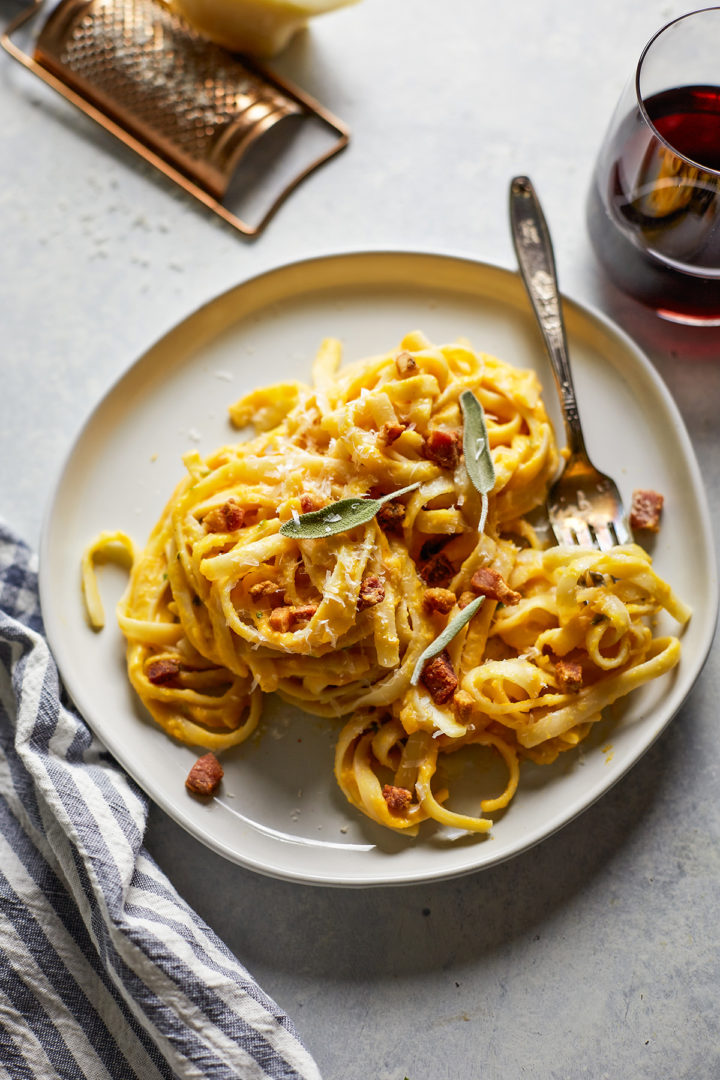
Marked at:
<point>654,216</point>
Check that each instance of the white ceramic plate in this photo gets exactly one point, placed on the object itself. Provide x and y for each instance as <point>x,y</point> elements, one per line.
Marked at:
<point>279,811</point>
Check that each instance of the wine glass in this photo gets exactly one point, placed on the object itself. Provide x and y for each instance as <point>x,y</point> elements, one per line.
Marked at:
<point>654,204</point>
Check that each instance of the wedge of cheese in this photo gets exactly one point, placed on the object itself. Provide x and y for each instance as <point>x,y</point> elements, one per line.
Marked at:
<point>259,28</point>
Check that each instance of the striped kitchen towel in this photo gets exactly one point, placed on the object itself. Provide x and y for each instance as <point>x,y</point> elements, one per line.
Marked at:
<point>105,972</point>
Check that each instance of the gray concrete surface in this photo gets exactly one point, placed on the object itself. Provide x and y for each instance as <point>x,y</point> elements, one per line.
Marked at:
<point>596,953</point>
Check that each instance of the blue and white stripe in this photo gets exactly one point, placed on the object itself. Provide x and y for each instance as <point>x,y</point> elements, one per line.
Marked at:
<point>105,972</point>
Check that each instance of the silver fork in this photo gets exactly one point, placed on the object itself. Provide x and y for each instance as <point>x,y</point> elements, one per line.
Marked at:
<point>584,506</point>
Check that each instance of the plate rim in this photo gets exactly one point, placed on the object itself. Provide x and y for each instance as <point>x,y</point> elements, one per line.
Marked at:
<point>574,309</point>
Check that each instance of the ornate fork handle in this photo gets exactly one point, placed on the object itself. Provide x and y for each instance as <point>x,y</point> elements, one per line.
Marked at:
<point>534,250</point>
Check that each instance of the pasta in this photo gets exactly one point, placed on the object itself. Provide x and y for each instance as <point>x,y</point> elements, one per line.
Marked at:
<point>231,599</point>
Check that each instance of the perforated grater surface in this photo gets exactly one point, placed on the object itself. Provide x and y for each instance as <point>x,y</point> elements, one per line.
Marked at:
<point>188,106</point>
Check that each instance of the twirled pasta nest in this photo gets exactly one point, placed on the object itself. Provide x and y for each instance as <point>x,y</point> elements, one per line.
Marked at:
<point>223,607</point>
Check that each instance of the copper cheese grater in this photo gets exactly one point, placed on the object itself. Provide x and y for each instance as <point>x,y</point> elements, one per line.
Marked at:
<point>189,107</point>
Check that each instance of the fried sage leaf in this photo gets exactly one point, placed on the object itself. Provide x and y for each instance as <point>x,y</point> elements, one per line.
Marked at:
<point>476,450</point>
<point>442,640</point>
<point>339,516</point>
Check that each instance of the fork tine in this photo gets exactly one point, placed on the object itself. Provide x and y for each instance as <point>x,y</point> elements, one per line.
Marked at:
<point>563,531</point>
<point>583,536</point>
<point>572,532</point>
<point>605,536</point>
<point>622,532</point>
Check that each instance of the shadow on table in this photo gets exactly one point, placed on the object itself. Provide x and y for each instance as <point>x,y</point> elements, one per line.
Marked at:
<point>666,343</point>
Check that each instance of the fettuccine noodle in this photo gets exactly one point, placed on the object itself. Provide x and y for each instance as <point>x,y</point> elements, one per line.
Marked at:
<point>222,607</point>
